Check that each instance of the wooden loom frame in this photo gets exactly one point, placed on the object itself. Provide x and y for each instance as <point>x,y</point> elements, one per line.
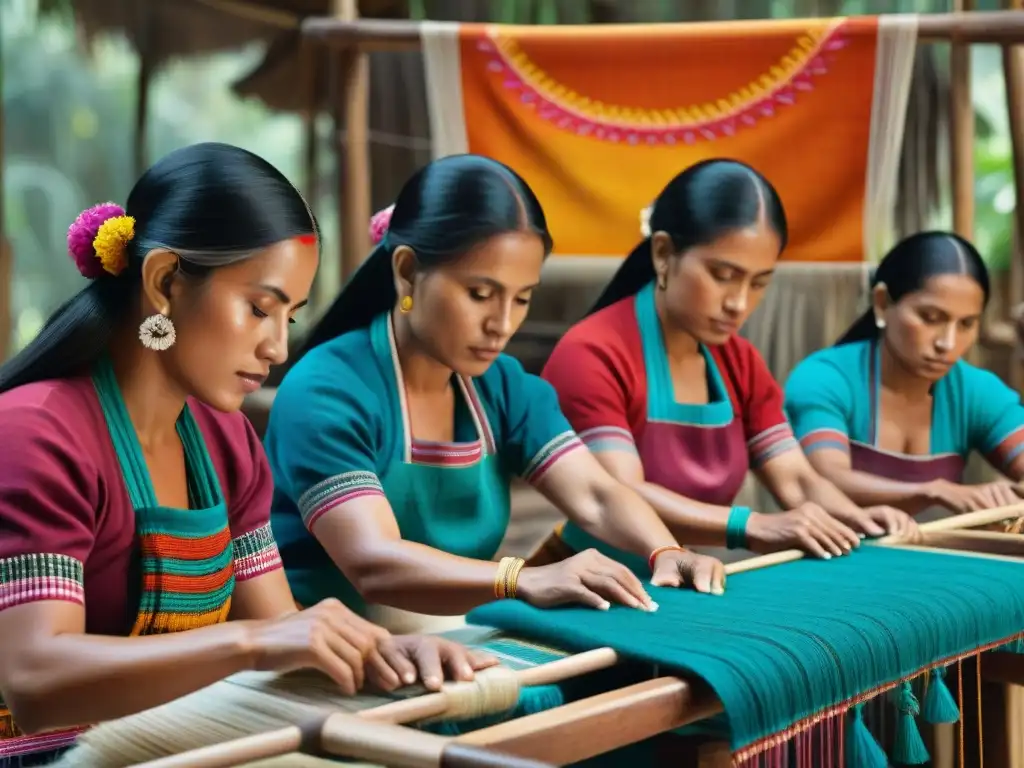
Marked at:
<point>587,727</point>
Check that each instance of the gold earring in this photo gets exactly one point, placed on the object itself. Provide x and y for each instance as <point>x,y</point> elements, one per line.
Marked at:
<point>405,305</point>
<point>662,282</point>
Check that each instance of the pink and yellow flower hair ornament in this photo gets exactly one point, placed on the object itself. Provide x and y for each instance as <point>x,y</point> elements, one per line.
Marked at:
<point>98,240</point>
<point>379,224</point>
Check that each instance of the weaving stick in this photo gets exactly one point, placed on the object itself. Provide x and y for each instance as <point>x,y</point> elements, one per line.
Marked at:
<point>283,741</point>
<point>956,522</point>
<point>346,735</point>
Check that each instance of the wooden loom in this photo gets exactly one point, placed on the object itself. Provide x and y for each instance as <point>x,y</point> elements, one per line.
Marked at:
<point>570,733</point>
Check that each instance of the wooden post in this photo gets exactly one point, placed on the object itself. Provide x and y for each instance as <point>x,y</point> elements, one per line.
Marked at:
<point>353,98</point>
<point>1013,73</point>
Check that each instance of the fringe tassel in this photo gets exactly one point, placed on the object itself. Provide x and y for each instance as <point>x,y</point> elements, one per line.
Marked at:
<point>939,704</point>
<point>908,748</point>
<point>862,751</point>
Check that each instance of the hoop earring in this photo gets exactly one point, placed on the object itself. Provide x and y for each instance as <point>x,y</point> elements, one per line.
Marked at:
<point>157,332</point>
<point>405,305</point>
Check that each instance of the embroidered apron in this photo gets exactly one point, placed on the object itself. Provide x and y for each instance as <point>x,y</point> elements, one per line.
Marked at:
<point>454,497</point>
<point>186,557</point>
<point>696,450</point>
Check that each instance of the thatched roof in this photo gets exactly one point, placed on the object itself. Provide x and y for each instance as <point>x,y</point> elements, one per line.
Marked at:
<point>167,29</point>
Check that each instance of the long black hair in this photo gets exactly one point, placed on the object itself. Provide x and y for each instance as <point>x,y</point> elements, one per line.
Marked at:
<point>908,266</point>
<point>212,204</point>
<point>443,211</point>
<point>700,205</point>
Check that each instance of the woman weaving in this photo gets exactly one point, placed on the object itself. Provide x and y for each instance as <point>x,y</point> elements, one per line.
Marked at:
<point>394,440</point>
<point>891,413</point>
<point>134,496</point>
<point>678,406</point>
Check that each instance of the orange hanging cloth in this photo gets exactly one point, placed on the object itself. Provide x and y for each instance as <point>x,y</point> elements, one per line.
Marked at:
<point>598,118</point>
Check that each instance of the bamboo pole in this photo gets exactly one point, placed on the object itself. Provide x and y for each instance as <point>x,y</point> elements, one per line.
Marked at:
<point>383,35</point>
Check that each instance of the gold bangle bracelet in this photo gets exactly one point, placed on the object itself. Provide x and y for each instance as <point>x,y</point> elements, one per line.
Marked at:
<point>513,578</point>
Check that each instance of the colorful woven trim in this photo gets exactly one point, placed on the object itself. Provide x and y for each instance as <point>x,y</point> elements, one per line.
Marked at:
<point>335,491</point>
<point>770,443</point>
<point>187,575</point>
<point>555,449</point>
<point>255,553</point>
<point>28,578</point>
<point>599,439</point>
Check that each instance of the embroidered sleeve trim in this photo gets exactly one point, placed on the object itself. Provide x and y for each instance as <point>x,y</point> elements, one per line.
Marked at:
<point>335,491</point>
<point>256,553</point>
<point>770,443</point>
<point>819,439</point>
<point>35,577</point>
<point>599,439</point>
<point>1008,449</point>
<point>552,451</point>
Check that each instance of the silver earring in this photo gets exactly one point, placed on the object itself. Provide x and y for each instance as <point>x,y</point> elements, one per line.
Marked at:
<point>879,323</point>
<point>157,332</point>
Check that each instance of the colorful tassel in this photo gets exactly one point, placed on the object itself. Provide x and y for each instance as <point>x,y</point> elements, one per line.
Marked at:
<point>862,751</point>
<point>939,704</point>
<point>908,748</point>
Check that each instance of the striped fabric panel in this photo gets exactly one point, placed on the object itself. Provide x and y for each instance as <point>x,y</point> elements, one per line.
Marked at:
<point>255,553</point>
<point>818,439</point>
<point>447,454</point>
<point>545,458</point>
<point>29,578</point>
<point>770,443</point>
<point>187,581</point>
<point>335,491</point>
<point>1008,449</point>
<point>599,439</point>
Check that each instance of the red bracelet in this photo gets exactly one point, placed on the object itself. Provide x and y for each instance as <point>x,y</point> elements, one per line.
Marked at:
<point>659,550</point>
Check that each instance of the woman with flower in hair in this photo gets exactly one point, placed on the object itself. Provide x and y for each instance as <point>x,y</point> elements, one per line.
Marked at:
<point>134,496</point>
<point>658,383</point>
<point>394,440</point>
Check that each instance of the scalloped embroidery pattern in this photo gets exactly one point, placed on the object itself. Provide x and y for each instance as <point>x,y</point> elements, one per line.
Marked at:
<point>780,87</point>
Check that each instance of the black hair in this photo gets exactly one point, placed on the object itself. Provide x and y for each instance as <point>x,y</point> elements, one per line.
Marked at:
<point>700,205</point>
<point>909,265</point>
<point>212,204</point>
<point>443,211</point>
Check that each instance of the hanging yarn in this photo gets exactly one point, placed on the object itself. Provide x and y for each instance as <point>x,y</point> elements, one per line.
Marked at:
<point>787,643</point>
<point>908,746</point>
<point>862,750</point>
<point>939,704</point>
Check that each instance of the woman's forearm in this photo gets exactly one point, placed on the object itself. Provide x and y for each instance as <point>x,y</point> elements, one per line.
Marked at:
<point>871,490</point>
<point>415,577</point>
<point>691,522</point>
<point>76,679</point>
<point>626,521</point>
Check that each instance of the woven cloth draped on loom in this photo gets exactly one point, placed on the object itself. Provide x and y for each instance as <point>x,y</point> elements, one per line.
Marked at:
<point>598,118</point>
<point>790,645</point>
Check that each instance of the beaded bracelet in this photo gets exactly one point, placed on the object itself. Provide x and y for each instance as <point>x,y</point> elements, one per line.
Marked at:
<point>658,551</point>
<point>736,528</point>
<point>507,577</point>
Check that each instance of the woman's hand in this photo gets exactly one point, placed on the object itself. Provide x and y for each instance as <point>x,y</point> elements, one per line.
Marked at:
<point>880,520</point>
<point>327,636</point>
<point>807,527</point>
<point>970,498</point>
<point>678,568</point>
<point>404,659</point>
<point>588,578</point>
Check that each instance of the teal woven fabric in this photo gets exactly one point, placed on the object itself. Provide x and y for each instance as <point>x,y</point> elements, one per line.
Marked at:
<point>787,642</point>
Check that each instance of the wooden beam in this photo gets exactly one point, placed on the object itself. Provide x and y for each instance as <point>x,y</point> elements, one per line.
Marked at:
<point>381,34</point>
